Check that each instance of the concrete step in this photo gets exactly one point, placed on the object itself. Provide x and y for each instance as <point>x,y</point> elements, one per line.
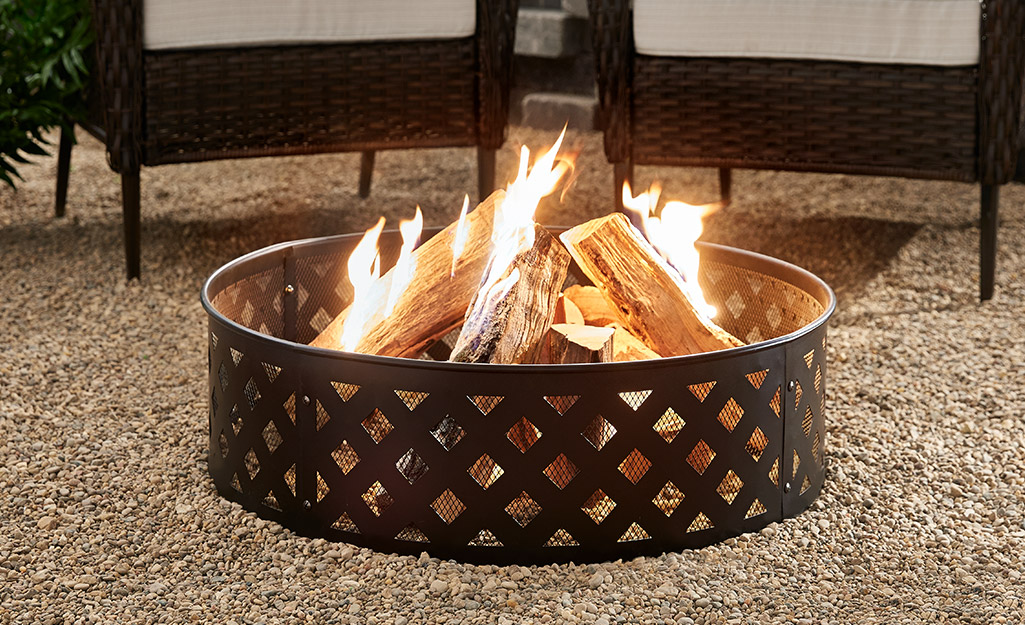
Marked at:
<point>550,111</point>
<point>549,33</point>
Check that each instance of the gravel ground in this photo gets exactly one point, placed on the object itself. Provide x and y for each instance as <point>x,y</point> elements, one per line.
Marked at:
<point>107,513</point>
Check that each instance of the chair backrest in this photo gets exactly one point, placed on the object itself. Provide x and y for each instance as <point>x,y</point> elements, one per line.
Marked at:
<point>905,32</point>
<point>184,24</point>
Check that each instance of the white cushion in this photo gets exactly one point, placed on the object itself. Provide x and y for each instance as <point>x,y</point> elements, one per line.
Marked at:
<point>929,32</point>
<point>173,24</point>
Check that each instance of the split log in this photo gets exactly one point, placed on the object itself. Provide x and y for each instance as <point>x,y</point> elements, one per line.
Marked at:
<point>595,310</point>
<point>567,312</point>
<point>627,347</point>
<point>644,291</point>
<point>437,297</point>
<point>508,318</point>
<point>570,343</point>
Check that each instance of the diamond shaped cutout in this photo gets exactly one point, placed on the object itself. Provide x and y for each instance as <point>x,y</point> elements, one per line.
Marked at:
<point>634,399</point>
<point>272,502</point>
<point>700,457</point>
<point>702,390</point>
<point>818,379</point>
<point>412,399</point>
<point>798,393</point>
<point>213,340</point>
<point>599,506</point>
<point>757,378</point>
<point>599,432</point>
<point>377,498</point>
<point>236,420</point>
<point>272,371</point>
<point>561,538</point>
<point>797,465</point>
<point>485,471</point>
<point>222,375</point>
<point>377,425</point>
<point>272,437</point>
<point>236,356</point>
<point>815,449</point>
<point>252,464</point>
<point>808,358</point>
<point>448,507</point>
<point>561,403</point>
<point>523,434</point>
<point>485,403</point>
<point>669,425</point>
<point>730,486</point>
<point>756,444</point>
<point>805,485</point>
<point>345,391</point>
<point>485,538</point>
<point>411,466</point>
<point>731,414</point>
<point>411,534</point>
<point>700,522</point>
<point>252,393</point>
<point>775,403</point>
<point>289,407</point>
<point>634,466</point>
<point>290,479</point>
<point>345,457</point>
<point>345,524</point>
<point>448,432</point>
<point>774,472</point>
<point>633,533</point>
<point>322,489</point>
<point>561,471</point>
<point>222,443</point>
<point>755,509</point>
<point>235,483</point>
<point>322,416</point>
<point>523,509</point>
<point>668,499</point>
<point>807,422</point>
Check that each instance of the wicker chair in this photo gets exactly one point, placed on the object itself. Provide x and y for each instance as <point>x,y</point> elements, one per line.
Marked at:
<point>154,107</point>
<point>908,120</point>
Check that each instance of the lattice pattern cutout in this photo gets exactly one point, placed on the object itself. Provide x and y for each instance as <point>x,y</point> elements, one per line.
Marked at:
<point>599,506</point>
<point>818,379</point>
<point>755,509</point>
<point>486,538</point>
<point>345,457</point>
<point>485,471</point>
<point>633,533</point>
<point>523,434</point>
<point>561,403</point>
<point>411,533</point>
<point>236,356</point>
<point>669,425</point>
<point>345,524</point>
<point>523,509</point>
<point>322,416</point>
<point>411,466</point>
<point>807,421</point>
<point>377,425</point>
<point>815,449</point>
<point>448,432</point>
<point>700,457</point>
<point>448,507</point>
<point>730,486</point>
<point>290,479</point>
<point>272,502</point>
<point>668,499</point>
<point>377,498</point>
<point>599,432</point>
<point>235,483</point>
<point>731,414</point>
<point>345,391</point>
<point>700,522</point>
<point>797,464</point>
<point>805,485</point>
<point>222,375</point>
<point>272,437</point>
<point>634,399</point>
<point>775,403</point>
<point>757,378</point>
<point>289,407</point>
<point>322,488</point>
<point>252,464</point>
<point>222,442</point>
<point>756,444</point>
<point>809,358</point>
<point>213,340</point>
<point>485,403</point>
<point>252,393</point>
<point>561,538</point>
<point>272,371</point>
<point>702,390</point>
<point>634,466</point>
<point>798,394</point>
<point>561,471</point>
<point>236,420</point>
<point>412,399</point>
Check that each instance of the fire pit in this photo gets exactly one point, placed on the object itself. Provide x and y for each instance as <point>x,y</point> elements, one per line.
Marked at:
<point>406,455</point>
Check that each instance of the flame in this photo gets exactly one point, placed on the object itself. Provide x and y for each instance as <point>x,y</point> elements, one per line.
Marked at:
<point>459,242</point>
<point>405,267</point>
<point>364,267</point>
<point>672,234</point>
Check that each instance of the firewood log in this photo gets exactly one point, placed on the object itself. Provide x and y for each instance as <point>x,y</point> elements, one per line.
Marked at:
<point>567,312</point>
<point>644,291</point>
<point>593,307</point>
<point>437,297</point>
<point>569,343</point>
<point>508,319</point>
<point>626,346</point>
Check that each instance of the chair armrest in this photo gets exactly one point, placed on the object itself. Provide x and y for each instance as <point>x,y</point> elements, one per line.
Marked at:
<point>118,78</point>
<point>612,32</point>
<point>496,33</point>
<point>1001,63</point>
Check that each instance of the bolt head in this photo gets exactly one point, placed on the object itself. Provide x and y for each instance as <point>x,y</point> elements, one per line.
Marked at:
<point>307,505</point>
<point>791,385</point>
<point>786,487</point>
<point>306,400</point>
<point>289,289</point>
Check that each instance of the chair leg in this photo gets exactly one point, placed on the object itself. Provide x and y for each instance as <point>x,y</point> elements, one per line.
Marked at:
<point>130,199</point>
<point>725,184</point>
<point>366,170</point>
<point>63,168</point>
<point>623,172</point>
<point>988,240</point>
<point>485,173</point>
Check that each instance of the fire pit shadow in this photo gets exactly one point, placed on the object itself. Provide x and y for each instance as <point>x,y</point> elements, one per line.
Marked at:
<point>514,463</point>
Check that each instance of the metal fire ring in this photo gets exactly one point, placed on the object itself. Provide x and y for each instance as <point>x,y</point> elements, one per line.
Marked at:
<point>405,456</point>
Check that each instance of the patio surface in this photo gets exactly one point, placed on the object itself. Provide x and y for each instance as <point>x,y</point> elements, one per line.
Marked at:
<point>108,515</point>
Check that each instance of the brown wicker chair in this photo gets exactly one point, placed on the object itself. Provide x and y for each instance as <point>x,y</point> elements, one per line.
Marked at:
<point>914,121</point>
<point>176,106</point>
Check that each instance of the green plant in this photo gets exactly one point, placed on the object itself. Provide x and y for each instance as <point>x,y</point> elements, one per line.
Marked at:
<point>42,72</point>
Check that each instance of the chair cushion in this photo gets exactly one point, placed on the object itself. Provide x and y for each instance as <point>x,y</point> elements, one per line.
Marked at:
<point>928,32</point>
<point>177,24</point>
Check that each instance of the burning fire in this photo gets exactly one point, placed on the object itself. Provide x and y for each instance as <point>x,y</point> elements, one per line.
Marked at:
<point>672,233</point>
<point>459,241</point>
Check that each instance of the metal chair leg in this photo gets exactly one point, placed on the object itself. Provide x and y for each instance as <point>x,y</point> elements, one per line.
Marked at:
<point>366,170</point>
<point>130,200</point>
<point>63,168</point>
<point>725,184</point>
<point>485,173</point>
<point>988,240</point>
<point>622,172</point>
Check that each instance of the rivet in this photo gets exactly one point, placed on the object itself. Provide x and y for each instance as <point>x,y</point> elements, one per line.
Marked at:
<point>306,400</point>
<point>289,289</point>
<point>309,506</point>
<point>786,487</point>
<point>791,386</point>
